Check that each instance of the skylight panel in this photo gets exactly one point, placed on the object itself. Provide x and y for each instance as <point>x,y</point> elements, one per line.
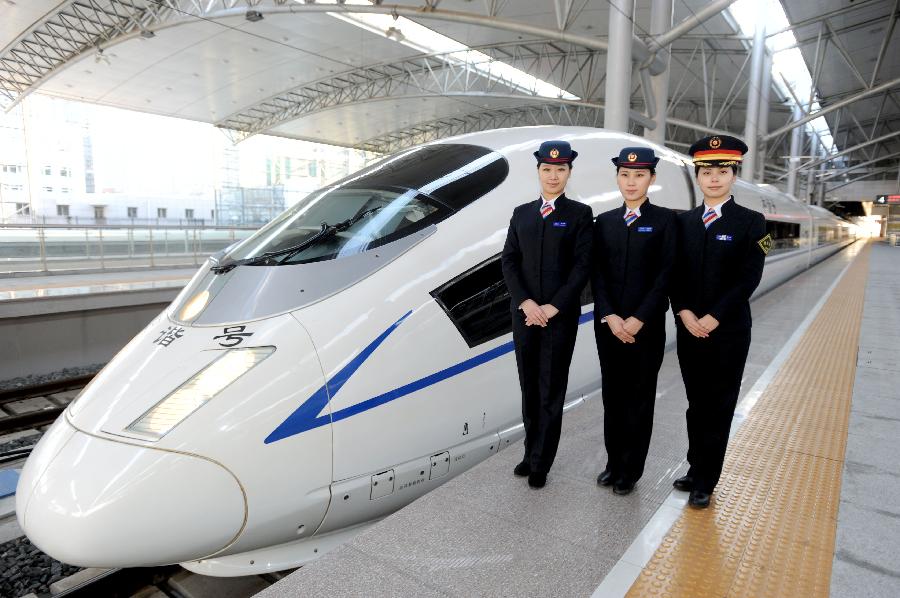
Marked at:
<point>424,40</point>
<point>787,61</point>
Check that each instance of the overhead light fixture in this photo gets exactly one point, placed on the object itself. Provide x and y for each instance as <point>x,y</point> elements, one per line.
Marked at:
<point>147,34</point>
<point>394,33</point>
<point>101,57</point>
<point>427,41</point>
<point>253,16</point>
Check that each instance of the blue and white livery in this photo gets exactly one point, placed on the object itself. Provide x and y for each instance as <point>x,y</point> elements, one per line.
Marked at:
<point>349,357</point>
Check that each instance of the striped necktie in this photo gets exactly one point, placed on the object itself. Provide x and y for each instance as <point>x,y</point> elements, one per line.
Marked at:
<point>630,217</point>
<point>709,217</point>
<point>546,209</point>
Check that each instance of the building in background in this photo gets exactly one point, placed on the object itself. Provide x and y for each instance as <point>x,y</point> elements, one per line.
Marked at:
<point>64,162</point>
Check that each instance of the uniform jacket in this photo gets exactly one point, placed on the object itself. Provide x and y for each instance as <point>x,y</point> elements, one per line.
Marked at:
<point>548,259</point>
<point>632,265</point>
<point>718,268</point>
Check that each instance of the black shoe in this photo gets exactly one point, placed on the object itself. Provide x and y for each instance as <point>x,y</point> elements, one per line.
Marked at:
<point>699,499</point>
<point>522,469</point>
<point>605,478</point>
<point>685,483</point>
<point>537,479</point>
<point>623,487</point>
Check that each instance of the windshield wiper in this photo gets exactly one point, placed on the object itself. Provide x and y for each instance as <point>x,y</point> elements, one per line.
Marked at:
<point>326,232</point>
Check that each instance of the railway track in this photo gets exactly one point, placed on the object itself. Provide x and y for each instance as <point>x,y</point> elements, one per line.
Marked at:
<point>37,405</point>
<point>161,582</point>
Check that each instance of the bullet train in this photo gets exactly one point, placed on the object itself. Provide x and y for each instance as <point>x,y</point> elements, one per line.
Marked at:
<point>349,357</point>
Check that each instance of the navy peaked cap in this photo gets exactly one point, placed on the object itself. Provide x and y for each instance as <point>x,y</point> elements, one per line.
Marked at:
<point>556,152</point>
<point>636,157</point>
<point>718,150</point>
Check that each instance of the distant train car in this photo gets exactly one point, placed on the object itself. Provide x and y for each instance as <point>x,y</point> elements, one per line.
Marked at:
<point>349,357</point>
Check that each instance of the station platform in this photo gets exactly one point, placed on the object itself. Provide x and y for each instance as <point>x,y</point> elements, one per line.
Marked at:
<point>806,505</point>
<point>78,320</point>
<point>40,294</point>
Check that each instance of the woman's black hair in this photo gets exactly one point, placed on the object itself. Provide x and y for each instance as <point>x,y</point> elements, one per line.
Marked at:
<point>733,168</point>
<point>652,170</point>
<point>570,164</point>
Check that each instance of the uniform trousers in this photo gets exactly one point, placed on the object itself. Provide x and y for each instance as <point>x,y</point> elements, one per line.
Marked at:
<point>712,369</point>
<point>629,372</point>
<point>543,356</point>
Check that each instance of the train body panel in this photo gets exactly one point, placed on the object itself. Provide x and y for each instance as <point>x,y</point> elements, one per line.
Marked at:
<point>337,389</point>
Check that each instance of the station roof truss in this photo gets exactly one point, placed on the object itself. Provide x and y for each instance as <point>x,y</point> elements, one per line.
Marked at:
<point>293,69</point>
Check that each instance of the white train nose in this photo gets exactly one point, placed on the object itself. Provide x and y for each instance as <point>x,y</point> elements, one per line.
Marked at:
<point>93,502</point>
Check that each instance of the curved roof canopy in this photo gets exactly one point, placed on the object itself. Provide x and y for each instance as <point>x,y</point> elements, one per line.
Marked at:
<point>382,76</point>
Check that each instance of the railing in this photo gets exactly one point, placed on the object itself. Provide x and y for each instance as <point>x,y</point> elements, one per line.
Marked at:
<point>60,247</point>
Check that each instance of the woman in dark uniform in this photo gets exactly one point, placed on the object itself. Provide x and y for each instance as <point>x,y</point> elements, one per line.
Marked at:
<point>546,264</point>
<point>721,252</point>
<point>634,251</point>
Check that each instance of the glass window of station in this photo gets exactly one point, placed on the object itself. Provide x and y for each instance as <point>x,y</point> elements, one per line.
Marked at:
<point>384,202</point>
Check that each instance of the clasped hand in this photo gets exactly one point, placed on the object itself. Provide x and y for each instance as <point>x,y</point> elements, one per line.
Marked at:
<point>624,330</point>
<point>537,315</point>
<point>701,327</point>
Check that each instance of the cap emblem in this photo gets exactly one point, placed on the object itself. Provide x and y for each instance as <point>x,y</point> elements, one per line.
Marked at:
<point>715,142</point>
<point>554,153</point>
<point>632,157</point>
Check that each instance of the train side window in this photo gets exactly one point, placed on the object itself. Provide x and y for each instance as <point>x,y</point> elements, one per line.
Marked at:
<point>827,234</point>
<point>785,235</point>
<point>477,302</point>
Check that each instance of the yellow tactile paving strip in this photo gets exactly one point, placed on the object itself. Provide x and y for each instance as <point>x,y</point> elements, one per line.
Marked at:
<point>771,526</point>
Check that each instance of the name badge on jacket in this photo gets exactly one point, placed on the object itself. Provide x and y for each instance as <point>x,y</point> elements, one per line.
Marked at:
<point>560,224</point>
<point>723,237</point>
<point>645,229</point>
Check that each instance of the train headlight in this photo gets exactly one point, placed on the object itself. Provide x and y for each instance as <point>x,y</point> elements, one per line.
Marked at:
<point>200,389</point>
<point>193,307</point>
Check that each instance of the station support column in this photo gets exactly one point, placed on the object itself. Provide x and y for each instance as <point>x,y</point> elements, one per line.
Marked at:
<point>618,65</point>
<point>661,15</point>
<point>810,173</point>
<point>751,122</point>
<point>763,124</point>
<point>794,158</point>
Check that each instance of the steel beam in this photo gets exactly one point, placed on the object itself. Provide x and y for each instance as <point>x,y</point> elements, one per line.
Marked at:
<point>455,74</point>
<point>844,152</point>
<point>832,107</point>
<point>844,171</point>
<point>695,126</point>
<point>658,42</point>
<point>76,28</point>
<point>885,42</point>
<point>822,17</point>
<point>845,54</point>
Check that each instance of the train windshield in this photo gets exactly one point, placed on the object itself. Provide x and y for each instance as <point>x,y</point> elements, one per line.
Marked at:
<point>384,202</point>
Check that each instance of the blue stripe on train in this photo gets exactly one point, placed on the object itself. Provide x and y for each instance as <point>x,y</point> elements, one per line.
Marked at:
<point>307,417</point>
